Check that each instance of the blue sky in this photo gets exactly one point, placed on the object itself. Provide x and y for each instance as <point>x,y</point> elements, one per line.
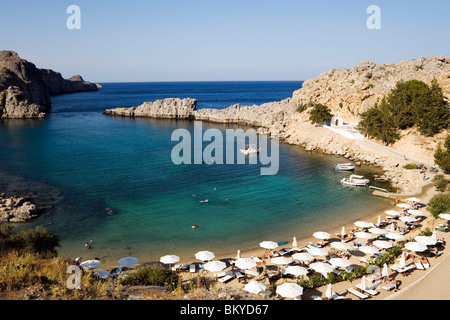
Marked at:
<point>212,40</point>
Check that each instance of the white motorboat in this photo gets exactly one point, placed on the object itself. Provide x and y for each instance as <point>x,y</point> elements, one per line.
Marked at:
<point>250,150</point>
<point>355,180</point>
<point>344,167</point>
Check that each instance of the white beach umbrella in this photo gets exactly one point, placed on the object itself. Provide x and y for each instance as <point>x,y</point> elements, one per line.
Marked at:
<point>377,231</point>
<point>408,219</point>
<point>341,245</point>
<point>281,260</point>
<point>289,290</point>
<point>294,242</point>
<point>321,235</point>
<point>128,261</point>
<point>369,250</point>
<point>329,293</point>
<point>297,271</point>
<point>382,244</point>
<point>90,264</point>
<point>364,224</point>
<point>445,216</point>
<point>317,251</point>
<point>402,260</point>
<point>303,256</point>
<point>364,235</point>
<point>268,244</point>
<point>392,228</point>
<point>403,205</point>
<point>434,236</point>
<point>392,213</point>
<point>413,199</point>
<point>415,212</point>
<point>255,287</point>
<point>363,283</point>
<point>343,233</point>
<point>379,220</point>
<point>322,267</point>
<point>415,246</point>
<point>204,255</point>
<point>215,266</point>
<point>385,271</point>
<point>245,263</point>
<point>428,241</point>
<point>339,262</point>
<point>394,236</point>
<point>238,255</point>
<point>169,259</point>
<point>103,274</point>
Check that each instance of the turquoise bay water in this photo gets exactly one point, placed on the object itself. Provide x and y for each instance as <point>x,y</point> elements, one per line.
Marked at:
<point>97,162</point>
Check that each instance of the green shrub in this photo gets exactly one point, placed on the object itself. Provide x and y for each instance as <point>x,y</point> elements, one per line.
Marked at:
<point>440,182</point>
<point>442,154</point>
<point>410,166</point>
<point>37,240</point>
<point>152,276</point>
<point>302,108</point>
<point>440,203</point>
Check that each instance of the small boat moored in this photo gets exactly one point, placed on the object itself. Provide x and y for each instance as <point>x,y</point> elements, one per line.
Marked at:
<point>250,150</point>
<point>355,180</point>
<point>344,167</point>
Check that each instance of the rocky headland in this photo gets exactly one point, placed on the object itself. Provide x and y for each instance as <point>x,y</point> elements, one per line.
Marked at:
<point>25,90</point>
<point>347,92</point>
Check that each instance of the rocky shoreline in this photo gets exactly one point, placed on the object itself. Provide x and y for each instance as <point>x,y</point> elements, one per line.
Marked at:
<point>17,209</point>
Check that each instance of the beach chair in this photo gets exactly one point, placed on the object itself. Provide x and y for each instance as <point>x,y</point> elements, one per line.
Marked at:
<point>388,287</point>
<point>239,276</point>
<point>227,278</point>
<point>425,262</point>
<point>374,277</point>
<point>222,274</point>
<point>369,291</point>
<point>358,294</point>
<point>419,264</point>
<point>192,268</point>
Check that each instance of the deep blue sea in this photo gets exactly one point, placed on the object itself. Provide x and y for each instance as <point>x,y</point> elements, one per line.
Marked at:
<point>83,162</point>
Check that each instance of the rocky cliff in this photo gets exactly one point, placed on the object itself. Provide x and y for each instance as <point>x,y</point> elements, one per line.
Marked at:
<point>56,84</point>
<point>25,90</point>
<point>23,93</point>
<point>352,91</point>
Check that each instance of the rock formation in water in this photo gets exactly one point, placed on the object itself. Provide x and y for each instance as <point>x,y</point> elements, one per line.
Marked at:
<point>16,209</point>
<point>25,90</point>
<point>171,108</point>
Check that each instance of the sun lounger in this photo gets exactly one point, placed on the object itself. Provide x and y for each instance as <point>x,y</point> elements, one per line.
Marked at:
<point>425,262</point>
<point>249,272</point>
<point>374,277</point>
<point>369,291</point>
<point>401,269</point>
<point>239,275</point>
<point>358,294</point>
<point>222,274</point>
<point>419,264</point>
<point>227,278</point>
<point>192,268</point>
<point>388,287</point>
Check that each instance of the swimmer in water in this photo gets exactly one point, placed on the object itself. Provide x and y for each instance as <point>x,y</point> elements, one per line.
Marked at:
<point>194,195</point>
<point>194,226</point>
<point>202,201</point>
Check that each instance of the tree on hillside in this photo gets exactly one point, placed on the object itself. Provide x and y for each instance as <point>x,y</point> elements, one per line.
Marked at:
<point>320,114</point>
<point>432,111</point>
<point>442,155</point>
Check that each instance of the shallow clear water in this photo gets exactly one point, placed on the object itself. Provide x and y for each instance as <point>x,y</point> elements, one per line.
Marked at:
<point>94,162</point>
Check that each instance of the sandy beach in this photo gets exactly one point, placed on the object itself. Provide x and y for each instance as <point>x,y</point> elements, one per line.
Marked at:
<point>417,285</point>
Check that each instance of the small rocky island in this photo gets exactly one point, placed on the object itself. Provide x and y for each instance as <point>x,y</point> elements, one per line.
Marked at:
<point>25,90</point>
